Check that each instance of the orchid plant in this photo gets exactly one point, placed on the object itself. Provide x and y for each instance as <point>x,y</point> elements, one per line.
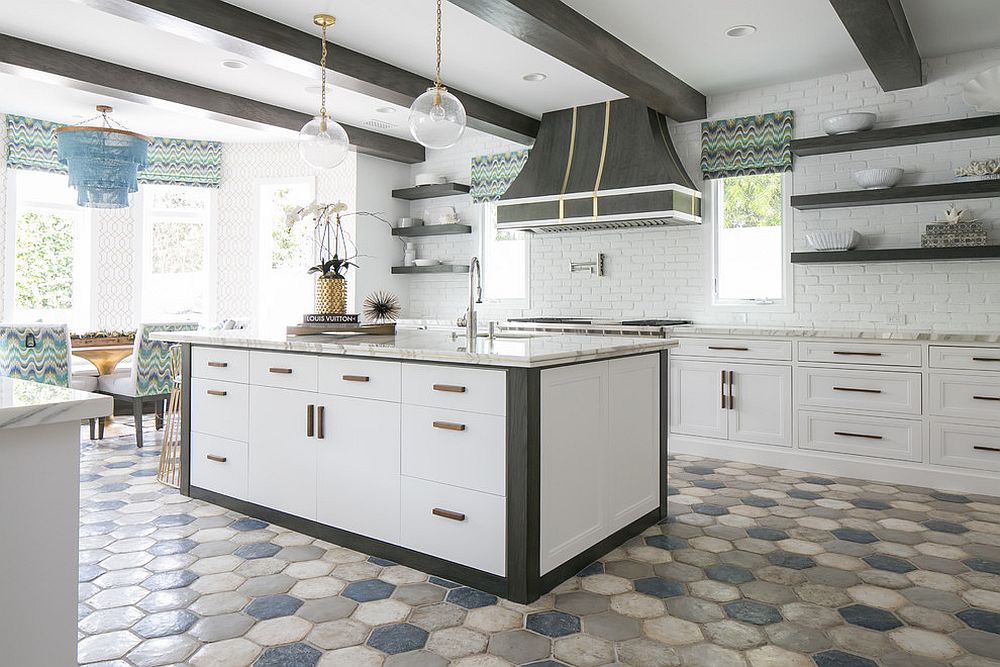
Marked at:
<point>335,251</point>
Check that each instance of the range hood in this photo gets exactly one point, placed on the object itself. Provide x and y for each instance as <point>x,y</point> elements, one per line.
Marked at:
<point>603,166</point>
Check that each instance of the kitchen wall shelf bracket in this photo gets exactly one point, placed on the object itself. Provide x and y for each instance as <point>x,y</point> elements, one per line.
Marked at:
<point>897,255</point>
<point>949,130</point>
<point>437,268</point>
<point>432,230</point>
<point>899,195</point>
<point>432,191</point>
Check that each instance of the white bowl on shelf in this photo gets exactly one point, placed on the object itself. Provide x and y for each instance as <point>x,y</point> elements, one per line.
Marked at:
<point>833,239</point>
<point>878,179</point>
<point>426,262</point>
<point>856,121</point>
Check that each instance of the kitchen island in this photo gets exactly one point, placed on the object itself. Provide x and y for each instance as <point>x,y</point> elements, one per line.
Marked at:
<point>506,465</point>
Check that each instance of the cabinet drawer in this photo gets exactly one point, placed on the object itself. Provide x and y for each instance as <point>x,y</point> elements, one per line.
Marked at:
<point>861,435</point>
<point>965,358</point>
<point>455,388</point>
<point>964,395</point>
<point>859,390</point>
<point>727,348</point>
<point>467,527</point>
<point>220,408</point>
<point>220,363</point>
<point>458,448</point>
<point>284,371</point>
<point>360,378</point>
<point>876,354</point>
<point>219,465</point>
<point>965,446</point>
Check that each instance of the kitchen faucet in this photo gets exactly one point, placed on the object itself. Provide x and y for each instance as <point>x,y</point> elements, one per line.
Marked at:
<point>475,296</point>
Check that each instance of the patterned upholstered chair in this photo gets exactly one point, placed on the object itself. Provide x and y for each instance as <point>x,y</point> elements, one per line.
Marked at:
<point>149,378</point>
<point>41,353</point>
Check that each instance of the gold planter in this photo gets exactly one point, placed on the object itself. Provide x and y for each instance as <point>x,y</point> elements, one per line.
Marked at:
<point>331,295</point>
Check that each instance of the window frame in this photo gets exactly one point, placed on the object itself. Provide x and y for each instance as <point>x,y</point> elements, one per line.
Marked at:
<point>711,201</point>
<point>487,221</point>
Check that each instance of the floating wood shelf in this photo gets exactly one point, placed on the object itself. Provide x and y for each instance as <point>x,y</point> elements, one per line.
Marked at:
<point>437,268</point>
<point>899,195</point>
<point>949,130</point>
<point>431,191</point>
<point>896,255</point>
<point>432,230</point>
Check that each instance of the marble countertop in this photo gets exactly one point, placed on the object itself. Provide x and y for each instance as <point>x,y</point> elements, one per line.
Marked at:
<point>856,334</point>
<point>24,403</point>
<point>536,350</point>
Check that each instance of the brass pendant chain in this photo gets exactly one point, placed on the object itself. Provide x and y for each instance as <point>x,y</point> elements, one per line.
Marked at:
<point>437,67</point>
<point>322,67</point>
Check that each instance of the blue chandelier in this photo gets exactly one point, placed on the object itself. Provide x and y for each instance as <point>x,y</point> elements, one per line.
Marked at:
<point>103,160</point>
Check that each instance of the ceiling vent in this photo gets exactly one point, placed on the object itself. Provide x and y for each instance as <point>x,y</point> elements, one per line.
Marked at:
<point>377,124</point>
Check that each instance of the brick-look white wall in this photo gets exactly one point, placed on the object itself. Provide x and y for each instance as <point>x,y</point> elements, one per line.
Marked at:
<point>663,271</point>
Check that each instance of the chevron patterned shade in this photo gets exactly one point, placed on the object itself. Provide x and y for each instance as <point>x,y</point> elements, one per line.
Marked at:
<point>746,146</point>
<point>493,174</point>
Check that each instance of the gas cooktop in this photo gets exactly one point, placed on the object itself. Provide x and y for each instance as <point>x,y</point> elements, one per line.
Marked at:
<point>652,322</point>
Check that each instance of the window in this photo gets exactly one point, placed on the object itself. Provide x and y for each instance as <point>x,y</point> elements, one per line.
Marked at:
<point>749,232</point>
<point>175,275</point>
<point>51,252</point>
<point>286,253</point>
<point>505,262</point>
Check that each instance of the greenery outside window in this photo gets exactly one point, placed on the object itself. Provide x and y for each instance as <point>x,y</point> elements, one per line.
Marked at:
<point>505,256</point>
<point>284,288</point>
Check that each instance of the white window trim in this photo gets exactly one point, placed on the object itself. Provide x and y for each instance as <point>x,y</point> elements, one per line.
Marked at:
<point>787,303</point>
<point>487,210</point>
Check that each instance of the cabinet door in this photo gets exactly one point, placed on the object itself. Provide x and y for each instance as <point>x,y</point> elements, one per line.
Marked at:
<point>696,391</point>
<point>634,424</point>
<point>282,455</point>
<point>357,472</point>
<point>761,410</point>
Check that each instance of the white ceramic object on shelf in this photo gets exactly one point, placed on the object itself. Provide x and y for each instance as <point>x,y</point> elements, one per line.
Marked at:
<point>427,262</point>
<point>429,179</point>
<point>834,239</point>
<point>441,215</point>
<point>856,121</point>
<point>878,179</point>
<point>983,92</point>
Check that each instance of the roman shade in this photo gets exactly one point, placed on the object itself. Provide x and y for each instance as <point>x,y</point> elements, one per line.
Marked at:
<point>747,145</point>
<point>493,174</point>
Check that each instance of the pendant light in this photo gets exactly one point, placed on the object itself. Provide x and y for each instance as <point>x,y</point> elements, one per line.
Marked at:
<point>437,118</point>
<point>103,161</point>
<point>323,143</point>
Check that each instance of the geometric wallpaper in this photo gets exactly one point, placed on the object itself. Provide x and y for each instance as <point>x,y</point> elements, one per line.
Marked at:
<point>115,268</point>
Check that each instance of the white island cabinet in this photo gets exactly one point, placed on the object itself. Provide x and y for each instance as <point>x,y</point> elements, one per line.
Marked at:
<point>507,467</point>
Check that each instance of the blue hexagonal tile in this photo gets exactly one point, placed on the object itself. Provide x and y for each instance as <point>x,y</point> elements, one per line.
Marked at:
<point>147,472</point>
<point>166,580</point>
<point>546,663</point>
<point>368,590</point>
<point>257,550</point>
<point>981,619</point>
<point>803,495</point>
<point>854,535</point>
<point>170,520</point>
<point>983,565</point>
<point>470,598</point>
<point>709,484</point>
<point>552,623</point>
<point>397,638</point>
<point>869,504</point>
<point>945,527</point>
<point>273,606</point>
<point>758,501</point>
<point>659,587</point>
<point>596,567</point>
<point>247,523</point>
<point>792,561</point>
<point>297,655</point>
<point>170,547</point>
<point>819,481</point>
<point>769,534</point>
<point>92,529</point>
<point>114,487</point>
<point>709,509</point>
<point>89,572</point>
<point>105,505</point>
<point>951,498</point>
<point>668,542</point>
<point>89,477</point>
<point>841,659</point>
<point>118,465</point>
<point>889,563</point>
<point>444,583</point>
<point>870,617</point>
<point>729,574</point>
<point>165,623</point>
<point>750,611</point>
<point>699,470</point>
<point>381,562</point>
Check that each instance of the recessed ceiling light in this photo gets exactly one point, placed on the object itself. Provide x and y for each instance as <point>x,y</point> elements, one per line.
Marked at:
<point>741,30</point>
<point>386,110</point>
<point>234,64</point>
<point>535,76</point>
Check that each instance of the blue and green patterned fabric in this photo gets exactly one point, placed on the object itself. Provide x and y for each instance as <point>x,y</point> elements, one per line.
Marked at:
<point>31,144</point>
<point>747,146</point>
<point>151,358</point>
<point>35,352</point>
<point>493,174</point>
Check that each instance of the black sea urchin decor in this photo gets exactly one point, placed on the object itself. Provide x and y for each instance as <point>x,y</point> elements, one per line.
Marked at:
<point>381,307</point>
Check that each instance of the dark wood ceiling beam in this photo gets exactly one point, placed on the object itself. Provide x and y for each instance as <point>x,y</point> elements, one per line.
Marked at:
<point>882,35</point>
<point>21,57</point>
<point>263,40</point>
<point>561,32</point>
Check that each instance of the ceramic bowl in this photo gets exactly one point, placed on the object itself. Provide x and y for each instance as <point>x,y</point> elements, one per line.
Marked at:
<point>410,222</point>
<point>834,239</point>
<point>844,123</point>
<point>983,92</point>
<point>426,262</point>
<point>877,179</point>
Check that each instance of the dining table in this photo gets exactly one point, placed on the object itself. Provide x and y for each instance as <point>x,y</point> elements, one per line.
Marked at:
<point>104,357</point>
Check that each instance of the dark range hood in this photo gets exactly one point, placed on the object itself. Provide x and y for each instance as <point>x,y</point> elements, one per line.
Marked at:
<point>603,166</point>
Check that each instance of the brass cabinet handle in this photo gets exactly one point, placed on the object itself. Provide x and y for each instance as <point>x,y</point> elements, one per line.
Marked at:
<point>986,398</point>
<point>218,364</point>
<point>280,371</point>
<point>724,406</point>
<point>848,434</point>
<point>216,392</point>
<point>354,378</point>
<point>320,421</point>
<point>986,358</point>
<point>453,388</point>
<point>448,514</point>
<point>984,448</point>
<point>730,348</point>
<point>216,458</point>
<point>857,354</point>
<point>732,381</point>
<point>856,389</point>
<point>449,426</point>
<point>310,419</point>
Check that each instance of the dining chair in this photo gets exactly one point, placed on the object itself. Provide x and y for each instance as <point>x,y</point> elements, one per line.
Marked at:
<point>42,353</point>
<point>148,380</point>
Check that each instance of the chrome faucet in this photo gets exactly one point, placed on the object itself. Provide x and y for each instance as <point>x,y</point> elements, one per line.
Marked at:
<point>469,320</point>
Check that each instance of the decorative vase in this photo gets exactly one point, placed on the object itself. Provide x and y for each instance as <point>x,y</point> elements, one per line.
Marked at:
<point>331,295</point>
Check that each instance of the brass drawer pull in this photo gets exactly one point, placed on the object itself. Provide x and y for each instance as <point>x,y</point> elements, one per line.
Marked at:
<point>858,354</point>
<point>280,371</point>
<point>320,422</point>
<point>310,420</point>
<point>218,364</point>
<point>847,434</point>
<point>729,348</point>
<point>732,381</point>
<point>862,391</point>
<point>723,390</point>
<point>216,392</point>
<point>984,448</point>
<point>449,426</point>
<point>986,358</point>
<point>448,514</point>
<point>987,398</point>
<point>216,458</point>
<point>354,378</point>
<point>453,388</point>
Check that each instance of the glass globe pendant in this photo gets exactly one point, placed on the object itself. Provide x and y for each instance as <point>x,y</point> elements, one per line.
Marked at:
<point>437,118</point>
<point>323,142</point>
